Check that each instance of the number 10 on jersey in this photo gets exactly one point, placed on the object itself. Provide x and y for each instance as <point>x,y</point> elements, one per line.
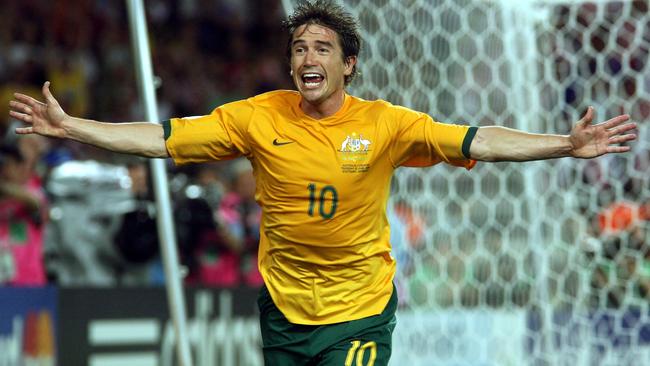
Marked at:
<point>327,198</point>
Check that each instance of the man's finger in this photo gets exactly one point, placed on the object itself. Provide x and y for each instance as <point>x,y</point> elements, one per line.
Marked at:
<point>617,149</point>
<point>588,117</point>
<point>618,130</point>
<point>622,138</point>
<point>24,130</point>
<point>617,121</point>
<point>622,128</point>
<point>21,107</point>
<point>21,116</point>
<point>28,100</point>
<point>49,98</point>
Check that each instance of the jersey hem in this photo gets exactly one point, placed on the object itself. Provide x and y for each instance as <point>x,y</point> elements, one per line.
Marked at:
<point>355,315</point>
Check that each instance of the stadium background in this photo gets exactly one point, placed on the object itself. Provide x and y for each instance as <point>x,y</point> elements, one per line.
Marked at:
<point>545,263</point>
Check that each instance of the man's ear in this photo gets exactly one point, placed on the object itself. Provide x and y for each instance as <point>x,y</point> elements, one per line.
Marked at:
<point>350,61</point>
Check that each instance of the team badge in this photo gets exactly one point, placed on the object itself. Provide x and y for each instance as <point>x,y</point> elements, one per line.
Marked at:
<point>354,153</point>
<point>354,142</point>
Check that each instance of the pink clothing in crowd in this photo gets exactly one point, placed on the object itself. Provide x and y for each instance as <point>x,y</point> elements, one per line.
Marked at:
<point>21,240</point>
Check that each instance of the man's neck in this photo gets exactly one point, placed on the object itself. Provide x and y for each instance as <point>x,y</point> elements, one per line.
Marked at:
<point>325,108</point>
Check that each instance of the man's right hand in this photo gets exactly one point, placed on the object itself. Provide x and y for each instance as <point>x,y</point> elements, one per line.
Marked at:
<point>43,118</point>
<point>48,119</point>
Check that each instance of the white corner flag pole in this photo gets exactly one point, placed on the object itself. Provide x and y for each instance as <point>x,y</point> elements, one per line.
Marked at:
<point>166,233</point>
<point>288,8</point>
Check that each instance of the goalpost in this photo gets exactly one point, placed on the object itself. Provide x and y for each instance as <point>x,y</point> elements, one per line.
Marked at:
<point>539,263</point>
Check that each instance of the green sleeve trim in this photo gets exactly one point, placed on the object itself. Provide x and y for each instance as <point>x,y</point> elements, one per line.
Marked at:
<point>167,128</point>
<point>469,136</point>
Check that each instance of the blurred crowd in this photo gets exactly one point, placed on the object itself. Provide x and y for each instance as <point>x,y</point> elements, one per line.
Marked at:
<point>75,215</point>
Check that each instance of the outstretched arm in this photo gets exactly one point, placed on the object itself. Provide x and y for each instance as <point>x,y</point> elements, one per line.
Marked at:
<point>49,119</point>
<point>585,141</point>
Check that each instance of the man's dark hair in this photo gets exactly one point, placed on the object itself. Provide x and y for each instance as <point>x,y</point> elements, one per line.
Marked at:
<point>328,14</point>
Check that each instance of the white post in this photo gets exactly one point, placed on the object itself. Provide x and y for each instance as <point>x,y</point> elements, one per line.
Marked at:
<point>166,233</point>
<point>288,8</point>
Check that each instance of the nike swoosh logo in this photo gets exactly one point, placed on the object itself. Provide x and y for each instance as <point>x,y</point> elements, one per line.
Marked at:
<point>280,143</point>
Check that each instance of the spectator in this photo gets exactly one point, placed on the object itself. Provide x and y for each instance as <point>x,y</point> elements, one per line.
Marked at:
<point>137,238</point>
<point>92,33</point>
<point>211,256</point>
<point>224,248</point>
<point>240,216</point>
<point>617,217</point>
<point>22,217</point>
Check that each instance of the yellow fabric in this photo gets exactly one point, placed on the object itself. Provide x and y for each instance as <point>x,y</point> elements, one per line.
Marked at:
<point>324,248</point>
<point>71,86</point>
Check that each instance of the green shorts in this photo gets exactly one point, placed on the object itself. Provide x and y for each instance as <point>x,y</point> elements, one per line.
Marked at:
<point>364,341</point>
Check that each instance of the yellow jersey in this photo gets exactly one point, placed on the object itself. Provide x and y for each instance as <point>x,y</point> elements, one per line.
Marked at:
<point>323,185</point>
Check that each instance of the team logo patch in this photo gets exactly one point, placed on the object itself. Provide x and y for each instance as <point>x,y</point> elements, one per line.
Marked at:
<point>354,142</point>
<point>354,153</point>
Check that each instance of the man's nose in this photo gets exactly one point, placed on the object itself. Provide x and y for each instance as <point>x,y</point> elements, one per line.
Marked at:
<point>310,58</point>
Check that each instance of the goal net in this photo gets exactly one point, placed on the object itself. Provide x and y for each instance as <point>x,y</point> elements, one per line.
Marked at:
<point>540,263</point>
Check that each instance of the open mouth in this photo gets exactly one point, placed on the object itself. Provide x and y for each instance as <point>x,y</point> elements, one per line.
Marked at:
<point>312,79</point>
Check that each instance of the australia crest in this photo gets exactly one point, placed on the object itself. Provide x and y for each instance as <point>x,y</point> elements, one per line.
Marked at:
<point>354,153</point>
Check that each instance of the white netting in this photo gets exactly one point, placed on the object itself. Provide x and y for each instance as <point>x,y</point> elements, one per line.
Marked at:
<point>542,263</point>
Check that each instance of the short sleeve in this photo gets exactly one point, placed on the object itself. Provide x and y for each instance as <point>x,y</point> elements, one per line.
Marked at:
<point>420,141</point>
<point>221,135</point>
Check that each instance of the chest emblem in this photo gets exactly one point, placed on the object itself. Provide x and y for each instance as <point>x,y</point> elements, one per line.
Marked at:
<point>354,153</point>
<point>354,143</point>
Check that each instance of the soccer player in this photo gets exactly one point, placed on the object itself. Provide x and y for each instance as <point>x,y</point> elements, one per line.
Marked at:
<point>323,161</point>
